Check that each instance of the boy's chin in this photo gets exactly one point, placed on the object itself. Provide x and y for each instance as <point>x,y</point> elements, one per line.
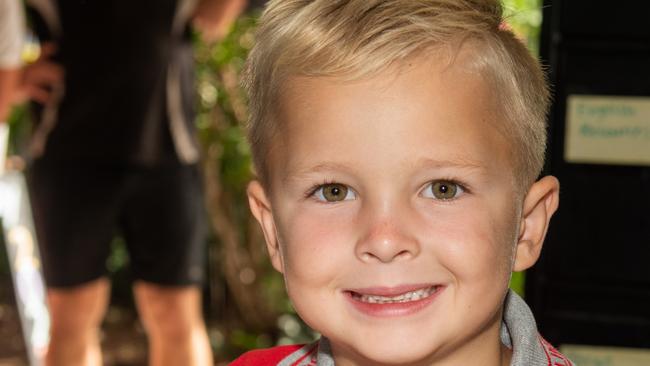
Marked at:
<point>392,352</point>
<point>392,360</point>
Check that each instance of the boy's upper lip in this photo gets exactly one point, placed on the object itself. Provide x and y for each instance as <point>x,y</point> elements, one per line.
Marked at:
<point>391,290</point>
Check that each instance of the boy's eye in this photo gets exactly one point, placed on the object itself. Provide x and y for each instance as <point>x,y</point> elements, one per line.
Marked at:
<point>443,190</point>
<point>334,192</point>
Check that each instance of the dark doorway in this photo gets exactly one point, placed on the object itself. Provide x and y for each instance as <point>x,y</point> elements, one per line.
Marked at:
<point>592,284</point>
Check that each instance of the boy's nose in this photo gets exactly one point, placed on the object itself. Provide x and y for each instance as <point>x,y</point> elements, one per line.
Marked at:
<point>386,241</point>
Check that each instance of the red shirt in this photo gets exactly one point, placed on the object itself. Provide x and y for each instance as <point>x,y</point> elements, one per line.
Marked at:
<point>293,355</point>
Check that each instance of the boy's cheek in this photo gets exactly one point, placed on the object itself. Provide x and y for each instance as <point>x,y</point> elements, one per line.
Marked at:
<point>472,247</point>
<point>311,246</point>
<point>316,227</point>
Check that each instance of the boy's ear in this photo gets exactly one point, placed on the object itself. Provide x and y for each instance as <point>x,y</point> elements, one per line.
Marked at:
<point>261,208</point>
<point>540,204</point>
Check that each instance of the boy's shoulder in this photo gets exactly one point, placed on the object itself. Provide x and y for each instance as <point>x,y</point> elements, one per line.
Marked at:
<point>290,355</point>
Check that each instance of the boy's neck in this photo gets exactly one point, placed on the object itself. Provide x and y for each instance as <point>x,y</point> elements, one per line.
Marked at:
<point>506,355</point>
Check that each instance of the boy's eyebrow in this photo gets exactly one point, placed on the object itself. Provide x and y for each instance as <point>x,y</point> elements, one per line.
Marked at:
<point>321,167</point>
<point>459,163</point>
<point>453,163</point>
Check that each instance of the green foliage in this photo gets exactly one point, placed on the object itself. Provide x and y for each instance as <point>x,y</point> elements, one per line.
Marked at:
<point>525,18</point>
<point>517,282</point>
<point>220,98</point>
<point>19,130</point>
<point>257,312</point>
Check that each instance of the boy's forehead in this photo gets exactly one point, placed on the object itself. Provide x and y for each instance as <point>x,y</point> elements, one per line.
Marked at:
<point>446,66</point>
<point>441,60</point>
<point>319,114</point>
<point>426,81</point>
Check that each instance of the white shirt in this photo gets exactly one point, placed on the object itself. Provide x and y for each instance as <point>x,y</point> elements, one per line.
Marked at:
<point>12,30</point>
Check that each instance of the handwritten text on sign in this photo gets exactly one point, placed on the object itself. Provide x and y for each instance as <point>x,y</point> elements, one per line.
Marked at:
<point>608,130</point>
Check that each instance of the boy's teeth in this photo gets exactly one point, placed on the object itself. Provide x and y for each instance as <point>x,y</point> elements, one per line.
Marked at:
<point>406,297</point>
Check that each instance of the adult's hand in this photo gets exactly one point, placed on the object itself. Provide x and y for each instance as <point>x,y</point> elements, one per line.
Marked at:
<point>40,78</point>
<point>9,81</point>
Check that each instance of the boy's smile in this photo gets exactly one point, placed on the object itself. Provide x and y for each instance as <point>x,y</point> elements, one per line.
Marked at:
<point>393,301</point>
<point>392,210</point>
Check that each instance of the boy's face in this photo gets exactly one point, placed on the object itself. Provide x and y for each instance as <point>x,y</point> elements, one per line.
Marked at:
<point>391,211</point>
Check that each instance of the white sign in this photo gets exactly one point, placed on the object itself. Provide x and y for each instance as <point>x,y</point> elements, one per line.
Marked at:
<point>607,130</point>
<point>606,356</point>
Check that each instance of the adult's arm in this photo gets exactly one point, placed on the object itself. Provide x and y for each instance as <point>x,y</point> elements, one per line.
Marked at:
<point>213,18</point>
<point>9,81</point>
<point>11,42</point>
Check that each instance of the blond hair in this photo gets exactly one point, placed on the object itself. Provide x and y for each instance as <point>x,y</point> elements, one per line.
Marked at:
<point>356,38</point>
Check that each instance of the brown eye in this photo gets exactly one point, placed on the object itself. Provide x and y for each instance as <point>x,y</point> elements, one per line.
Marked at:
<point>333,192</point>
<point>444,190</point>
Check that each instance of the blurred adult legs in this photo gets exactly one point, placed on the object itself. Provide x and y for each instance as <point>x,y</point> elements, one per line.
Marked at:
<point>174,324</point>
<point>76,315</point>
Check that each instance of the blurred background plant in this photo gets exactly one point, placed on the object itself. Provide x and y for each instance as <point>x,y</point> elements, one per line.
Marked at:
<point>247,301</point>
<point>246,305</point>
<point>525,18</point>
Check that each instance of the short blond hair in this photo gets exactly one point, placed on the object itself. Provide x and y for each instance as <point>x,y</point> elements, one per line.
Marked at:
<point>357,38</point>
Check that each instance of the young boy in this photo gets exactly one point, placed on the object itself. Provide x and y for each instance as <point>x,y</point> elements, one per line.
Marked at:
<point>398,143</point>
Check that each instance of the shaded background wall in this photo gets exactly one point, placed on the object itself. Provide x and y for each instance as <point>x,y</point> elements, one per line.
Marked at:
<point>592,284</point>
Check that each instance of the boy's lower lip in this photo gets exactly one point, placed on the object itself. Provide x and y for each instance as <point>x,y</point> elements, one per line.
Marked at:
<point>406,303</point>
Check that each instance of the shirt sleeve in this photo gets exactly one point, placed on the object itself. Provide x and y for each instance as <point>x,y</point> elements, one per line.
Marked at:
<point>12,30</point>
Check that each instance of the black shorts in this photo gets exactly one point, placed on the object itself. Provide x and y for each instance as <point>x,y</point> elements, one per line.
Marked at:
<point>159,212</point>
